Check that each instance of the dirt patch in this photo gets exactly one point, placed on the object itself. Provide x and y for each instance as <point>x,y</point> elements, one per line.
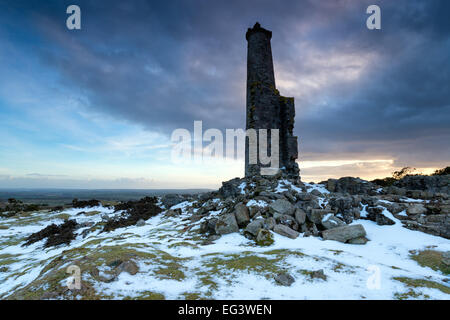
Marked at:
<point>55,234</point>
<point>133,212</point>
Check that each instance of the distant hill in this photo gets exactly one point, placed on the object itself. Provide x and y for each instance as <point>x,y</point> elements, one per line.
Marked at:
<point>63,196</point>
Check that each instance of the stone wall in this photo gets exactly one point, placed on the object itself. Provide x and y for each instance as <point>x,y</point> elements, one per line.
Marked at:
<point>266,108</point>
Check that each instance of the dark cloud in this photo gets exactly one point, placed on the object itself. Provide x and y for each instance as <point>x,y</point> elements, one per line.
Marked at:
<point>165,64</point>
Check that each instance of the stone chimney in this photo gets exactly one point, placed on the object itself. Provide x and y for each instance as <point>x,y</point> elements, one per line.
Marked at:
<point>266,109</point>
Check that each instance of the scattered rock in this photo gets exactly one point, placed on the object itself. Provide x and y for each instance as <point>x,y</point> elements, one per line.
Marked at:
<point>329,221</point>
<point>128,266</point>
<point>254,226</point>
<point>318,274</point>
<point>289,221</point>
<point>282,206</point>
<point>344,233</point>
<point>316,215</point>
<point>376,214</point>
<point>270,223</point>
<point>172,213</point>
<point>170,200</point>
<point>230,188</point>
<point>439,183</point>
<point>207,196</point>
<point>415,208</point>
<point>300,216</point>
<point>284,279</point>
<point>209,226</point>
<point>242,214</point>
<point>446,258</point>
<point>253,211</point>
<point>317,193</point>
<point>264,238</point>
<point>226,224</point>
<point>351,185</point>
<point>360,240</point>
<point>392,207</point>
<point>213,237</point>
<point>285,231</point>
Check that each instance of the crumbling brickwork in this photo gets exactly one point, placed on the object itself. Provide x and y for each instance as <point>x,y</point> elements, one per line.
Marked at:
<point>266,108</point>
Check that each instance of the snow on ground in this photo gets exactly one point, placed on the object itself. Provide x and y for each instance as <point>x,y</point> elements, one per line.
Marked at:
<point>258,203</point>
<point>174,263</point>
<point>242,187</point>
<point>319,187</point>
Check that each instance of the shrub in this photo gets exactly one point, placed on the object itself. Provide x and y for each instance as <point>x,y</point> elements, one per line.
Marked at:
<point>441,172</point>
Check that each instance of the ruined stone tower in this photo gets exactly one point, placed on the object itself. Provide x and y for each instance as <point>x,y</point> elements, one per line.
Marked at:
<point>266,108</point>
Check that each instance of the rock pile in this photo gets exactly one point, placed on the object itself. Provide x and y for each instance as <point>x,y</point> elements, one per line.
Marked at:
<point>260,206</point>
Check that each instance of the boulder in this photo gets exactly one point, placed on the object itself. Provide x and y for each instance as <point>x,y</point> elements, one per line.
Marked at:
<point>305,196</point>
<point>209,226</point>
<point>226,224</point>
<point>289,221</point>
<point>344,233</point>
<point>253,210</point>
<point>392,207</point>
<point>270,195</point>
<point>264,238</point>
<point>376,214</point>
<point>269,223</point>
<point>128,266</point>
<point>230,188</point>
<point>360,240</point>
<point>330,184</point>
<point>140,223</point>
<point>318,274</point>
<point>351,185</point>
<point>284,279</point>
<point>329,221</point>
<point>425,183</point>
<point>254,226</point>
<point>205,196</point>
<point>415,208</point>
<point>285,231</point>
<point>300,216</point>
<point>172,213</point>
<point>317,193</point>
<point>314,230</point>
<point>170,200</point>
<point>446,258</point>
<point>282,206</point>
<point>345,206</point>
<point>242,214</point>
<point>316,215</point>
<point>289,196</point>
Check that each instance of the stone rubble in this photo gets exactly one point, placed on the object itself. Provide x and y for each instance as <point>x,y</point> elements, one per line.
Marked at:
<point>259,206</point>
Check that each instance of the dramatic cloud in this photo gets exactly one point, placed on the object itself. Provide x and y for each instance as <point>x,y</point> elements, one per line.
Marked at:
<point>360,94</point>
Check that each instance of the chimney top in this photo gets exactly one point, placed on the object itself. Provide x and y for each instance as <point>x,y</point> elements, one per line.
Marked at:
<point>257,28</point>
